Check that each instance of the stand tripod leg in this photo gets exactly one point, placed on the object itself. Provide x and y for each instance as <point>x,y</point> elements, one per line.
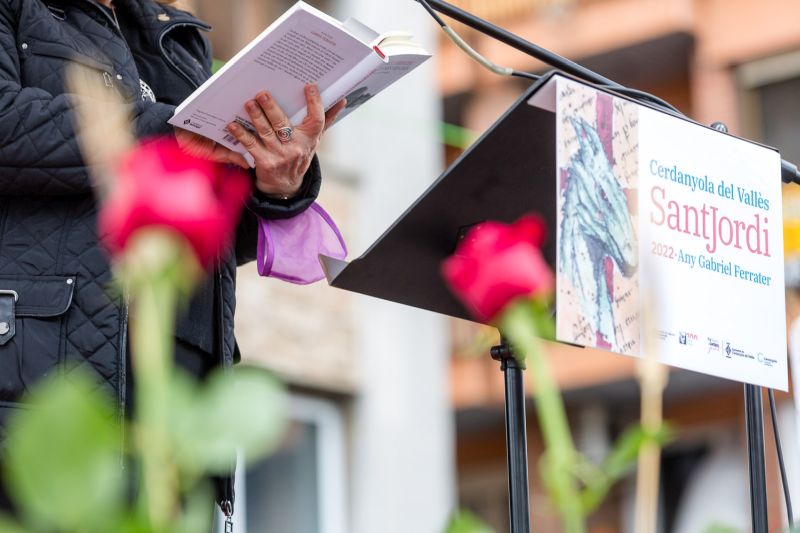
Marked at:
<point>516,439</point>
<point>754,418</point>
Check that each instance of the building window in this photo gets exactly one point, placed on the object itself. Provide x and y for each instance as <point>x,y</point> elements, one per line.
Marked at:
<point>302,486</point>
<point>484,492</point>
<point>780,107</point>
<point>770,89</point>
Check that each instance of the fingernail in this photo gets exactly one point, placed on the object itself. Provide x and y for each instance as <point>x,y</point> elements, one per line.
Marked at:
<point>233,127</point>
<point>252,106</point>
<point>263,97</point>
<point>312,89</point>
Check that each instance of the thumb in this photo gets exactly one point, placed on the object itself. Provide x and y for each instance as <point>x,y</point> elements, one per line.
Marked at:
<point>333,113</point>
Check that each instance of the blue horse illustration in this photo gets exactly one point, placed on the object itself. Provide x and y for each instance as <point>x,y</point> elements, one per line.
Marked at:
<point>596,233</point>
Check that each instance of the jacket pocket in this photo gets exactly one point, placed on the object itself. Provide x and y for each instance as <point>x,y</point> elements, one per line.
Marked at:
<point>32,330</point>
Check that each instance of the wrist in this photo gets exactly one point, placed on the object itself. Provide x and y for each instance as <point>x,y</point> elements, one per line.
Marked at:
<point>277,194</point>
<point>278,190</point>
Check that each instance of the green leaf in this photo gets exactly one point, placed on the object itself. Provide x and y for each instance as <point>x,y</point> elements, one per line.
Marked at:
<point>196,513</point>
<point>542,318</point>
<point>136,523</point>
<point>618,463</point>
<point>244,410</point>
<point>466,522</point>
<point>627,447</point>
<point>64,458</point>
<point>8,525</point>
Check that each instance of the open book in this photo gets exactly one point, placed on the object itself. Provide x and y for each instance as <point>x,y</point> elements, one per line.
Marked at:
<point>303,46</point>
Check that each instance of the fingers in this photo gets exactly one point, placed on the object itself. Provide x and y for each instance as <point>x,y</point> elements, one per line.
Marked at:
<point>205,148</point>
<point>333,113</point>
<point>261,123</point>
<point>281,160</point>
<point>247,139</point>
<point>314,123</point>
<point>275,115</point>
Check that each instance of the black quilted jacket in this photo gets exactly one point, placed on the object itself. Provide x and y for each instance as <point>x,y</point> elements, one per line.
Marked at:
<point>65,318</point>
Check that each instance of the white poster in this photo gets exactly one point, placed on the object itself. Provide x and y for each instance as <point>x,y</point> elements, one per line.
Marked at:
<point>669,238</point>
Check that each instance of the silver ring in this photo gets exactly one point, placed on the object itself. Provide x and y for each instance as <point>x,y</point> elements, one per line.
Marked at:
<point>284,134</point>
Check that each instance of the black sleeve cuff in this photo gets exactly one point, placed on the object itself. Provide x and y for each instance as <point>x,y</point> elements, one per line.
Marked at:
<point>273,208</point>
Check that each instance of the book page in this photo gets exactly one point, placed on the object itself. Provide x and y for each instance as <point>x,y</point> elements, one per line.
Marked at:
<point>399,62</point>
<point>341,87</point>
<point>304,46</point>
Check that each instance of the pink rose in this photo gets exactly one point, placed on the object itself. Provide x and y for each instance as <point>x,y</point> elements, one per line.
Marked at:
<point>158,185</point>
<point>497,263</point>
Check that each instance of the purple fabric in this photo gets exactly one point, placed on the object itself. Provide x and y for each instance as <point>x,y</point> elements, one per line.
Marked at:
<point>289,249</point>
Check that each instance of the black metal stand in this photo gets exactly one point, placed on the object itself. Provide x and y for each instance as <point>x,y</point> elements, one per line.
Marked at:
<point>754,419</point>
<point>516,438</point>
<point>754,427</point>
<point>515,408</point>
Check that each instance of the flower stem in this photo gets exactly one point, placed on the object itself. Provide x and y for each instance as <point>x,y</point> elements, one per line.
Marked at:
<point>152,324</point>
<point>560,459</point>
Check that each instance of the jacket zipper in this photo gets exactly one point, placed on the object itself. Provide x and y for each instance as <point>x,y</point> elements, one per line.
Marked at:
<point>168,59</point>
<point>122,367</point>
<point>107,79</point>
<point>227,362</point>
<point>161,36</point>
<point>108,18</point>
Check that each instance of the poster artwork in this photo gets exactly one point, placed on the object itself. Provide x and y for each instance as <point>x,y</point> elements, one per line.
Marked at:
<point>598,254</point>
<point>666,222</point>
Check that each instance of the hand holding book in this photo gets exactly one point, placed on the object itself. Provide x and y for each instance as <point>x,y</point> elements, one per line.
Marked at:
<point>280,163</point>
<point>198,146</point>
<point>303,46</point>
<point>282,152</point>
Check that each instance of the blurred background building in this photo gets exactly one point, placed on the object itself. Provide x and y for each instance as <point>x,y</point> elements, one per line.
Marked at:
<point>397,414</point>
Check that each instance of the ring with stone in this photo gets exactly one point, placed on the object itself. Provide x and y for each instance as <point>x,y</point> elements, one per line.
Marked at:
<point>284,134</point>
